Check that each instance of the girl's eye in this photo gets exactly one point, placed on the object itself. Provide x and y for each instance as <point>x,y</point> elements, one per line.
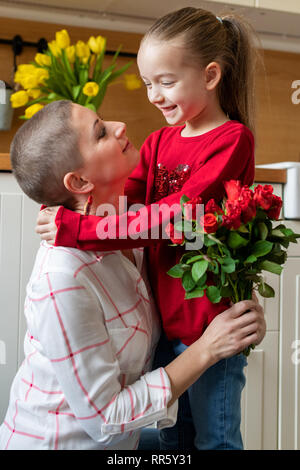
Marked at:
<point>147,84</point>
<point>167,83</point>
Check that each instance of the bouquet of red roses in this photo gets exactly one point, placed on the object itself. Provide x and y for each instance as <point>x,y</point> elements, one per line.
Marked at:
<point>239,243</point>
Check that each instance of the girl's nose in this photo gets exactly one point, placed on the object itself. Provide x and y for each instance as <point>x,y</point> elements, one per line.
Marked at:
<point>155,96</point>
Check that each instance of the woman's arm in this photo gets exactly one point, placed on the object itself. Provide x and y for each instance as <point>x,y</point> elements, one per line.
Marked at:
<point>233,160</point>
<point>71,330</point>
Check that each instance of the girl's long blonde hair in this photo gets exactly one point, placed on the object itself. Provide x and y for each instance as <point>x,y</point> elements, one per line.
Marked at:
<point>231,41</point>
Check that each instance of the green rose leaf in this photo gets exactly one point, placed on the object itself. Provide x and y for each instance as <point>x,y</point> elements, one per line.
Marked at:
<point>199,268</point>
<point>183,200</point>
<point>271,267</point>
<point>262,248</point>
<point>263,230</point>
<point>202,280</point>
<point>176,271</point>
<point>235,240</point>
<point>265,290</point>
<point>194,258</point>
<point>198,292</point>
<point>188,282</point>
<point>226,291</point>
<point>250,259</point>
<point>213,294</point>
<point>228,265</point>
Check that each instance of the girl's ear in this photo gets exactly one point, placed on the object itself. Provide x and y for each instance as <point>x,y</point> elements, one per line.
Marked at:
<point>213,74</point>
<point>77,185</point>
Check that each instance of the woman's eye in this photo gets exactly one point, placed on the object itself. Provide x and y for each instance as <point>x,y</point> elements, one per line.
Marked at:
<point>167,83</point>
<point>102,133</point>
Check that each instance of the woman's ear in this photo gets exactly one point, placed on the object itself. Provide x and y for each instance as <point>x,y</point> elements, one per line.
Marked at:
<point>77,185</point>
<point>213,74</point>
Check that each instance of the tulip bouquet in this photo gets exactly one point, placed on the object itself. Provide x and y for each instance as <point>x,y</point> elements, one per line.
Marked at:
<point>239,243</point>
<point>69,72</point>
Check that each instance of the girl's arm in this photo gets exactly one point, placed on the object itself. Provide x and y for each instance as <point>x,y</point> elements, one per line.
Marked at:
<point>231,158</point>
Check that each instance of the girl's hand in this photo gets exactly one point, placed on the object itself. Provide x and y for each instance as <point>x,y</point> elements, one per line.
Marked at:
<point>234,330</point>
<point>46,226</point>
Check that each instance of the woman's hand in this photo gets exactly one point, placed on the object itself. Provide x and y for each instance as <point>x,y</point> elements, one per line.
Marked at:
<point>234,330</point>
<point>46,226</point>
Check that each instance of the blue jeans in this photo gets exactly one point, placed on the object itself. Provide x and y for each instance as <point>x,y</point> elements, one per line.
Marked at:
<point>209,413</point>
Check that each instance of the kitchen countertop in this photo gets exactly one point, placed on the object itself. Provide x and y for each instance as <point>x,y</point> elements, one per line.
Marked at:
<point>262,175</point>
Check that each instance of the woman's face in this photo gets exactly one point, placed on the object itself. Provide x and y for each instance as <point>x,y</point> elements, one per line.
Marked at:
<point>108,155</point>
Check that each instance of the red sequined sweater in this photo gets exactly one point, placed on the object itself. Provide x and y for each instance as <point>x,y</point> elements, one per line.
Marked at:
<point>170,166</point>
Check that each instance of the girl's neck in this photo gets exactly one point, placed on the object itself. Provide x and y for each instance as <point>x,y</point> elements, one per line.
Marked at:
<point>209,118</point>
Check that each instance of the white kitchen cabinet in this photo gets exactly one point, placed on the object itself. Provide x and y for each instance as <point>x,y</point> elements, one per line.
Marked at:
<point>270,415</point>
<point>289,6</point>
<point>243,3</point>
<point>289,357</point>
<point>18,246</point>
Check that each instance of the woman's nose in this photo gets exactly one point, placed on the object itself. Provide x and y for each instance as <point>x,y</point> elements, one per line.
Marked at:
<point>120,129</point>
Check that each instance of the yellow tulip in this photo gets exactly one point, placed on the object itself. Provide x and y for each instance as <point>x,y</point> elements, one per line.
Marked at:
<point>70,51</point>
<point>34,93</point>
<point>54,48</point>
<point>31,110</point>
<point>29,80</point>
<point>62,39</point>
<point>22,71</point>
<point>132,82</point>
<point>43,60</point>
<point>41,75</point>
<point>91,89</point>
<point>18,99</point>
<point>25,68</point>
<point>96,44</point>
<point>82,51</point>
<point>18,76</point>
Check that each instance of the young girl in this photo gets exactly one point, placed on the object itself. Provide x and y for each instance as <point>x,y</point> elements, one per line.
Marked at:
<point>198,70</point>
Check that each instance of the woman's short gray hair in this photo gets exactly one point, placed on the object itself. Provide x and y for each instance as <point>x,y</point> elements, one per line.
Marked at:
<point>43,150</point>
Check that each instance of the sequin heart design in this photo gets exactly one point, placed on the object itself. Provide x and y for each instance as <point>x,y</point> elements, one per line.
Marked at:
<point>169,181</point>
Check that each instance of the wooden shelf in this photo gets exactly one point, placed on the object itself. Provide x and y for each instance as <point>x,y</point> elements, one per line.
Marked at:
<point>269,175</point>
<point>5,162</point>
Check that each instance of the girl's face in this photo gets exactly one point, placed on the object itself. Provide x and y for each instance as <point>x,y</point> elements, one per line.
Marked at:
<point>175,85</point>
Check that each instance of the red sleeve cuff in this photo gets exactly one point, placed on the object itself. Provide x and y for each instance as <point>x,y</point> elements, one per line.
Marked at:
<point>68,223</point>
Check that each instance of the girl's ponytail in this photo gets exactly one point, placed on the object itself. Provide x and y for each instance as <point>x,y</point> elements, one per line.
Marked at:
<point>229,40</point>
<point>239,58</point>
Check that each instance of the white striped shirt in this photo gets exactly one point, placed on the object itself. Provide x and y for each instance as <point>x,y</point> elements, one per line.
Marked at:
<point>85,381</point>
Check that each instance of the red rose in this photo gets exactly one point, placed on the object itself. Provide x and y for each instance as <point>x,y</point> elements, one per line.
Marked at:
<point>275,208</point>
<point>233,189</point>
<point>247,204</point>
<point>249,212</point>
<point>263,196</point>
<point>233,211</point>
<point>174,235</point>
<point>190,207</point>
<point>212,207</point>
<point>210,223</point>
